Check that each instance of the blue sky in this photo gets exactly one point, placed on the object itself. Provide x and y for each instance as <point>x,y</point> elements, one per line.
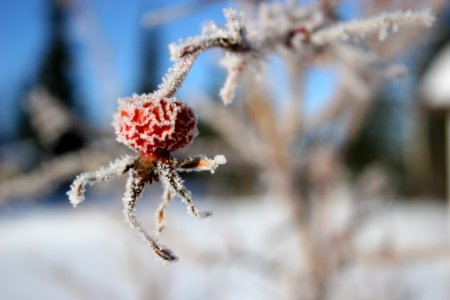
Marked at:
<point>105,38</point>
<point>21,33</point>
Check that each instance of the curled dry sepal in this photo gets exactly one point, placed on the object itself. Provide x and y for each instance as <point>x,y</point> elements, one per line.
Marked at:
<point>154,127</point>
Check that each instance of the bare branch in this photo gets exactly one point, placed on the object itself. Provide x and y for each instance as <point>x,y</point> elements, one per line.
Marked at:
<point>235,66</point>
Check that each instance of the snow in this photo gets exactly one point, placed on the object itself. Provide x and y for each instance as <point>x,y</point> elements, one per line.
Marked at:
<point>90,253</point>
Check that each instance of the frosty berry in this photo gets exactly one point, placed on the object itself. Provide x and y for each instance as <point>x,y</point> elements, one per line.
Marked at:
<point>152,125</point>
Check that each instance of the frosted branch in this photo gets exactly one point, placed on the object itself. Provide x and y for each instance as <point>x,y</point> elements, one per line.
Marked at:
<point>299,27</point>
<point>176,75</point>
<point>235,65</point>
<point>382,24</point>
<point>230,38</point>
<point>116,168</point>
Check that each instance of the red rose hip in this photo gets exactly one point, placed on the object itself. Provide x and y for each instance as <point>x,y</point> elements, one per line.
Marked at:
<point>152,125</point>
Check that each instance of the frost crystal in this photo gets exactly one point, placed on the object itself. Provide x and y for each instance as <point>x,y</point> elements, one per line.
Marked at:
<point>175,184</point>
<point>383,25</point>
<point>235,65</point>
<point>150,125</point>
<point>116,168</point>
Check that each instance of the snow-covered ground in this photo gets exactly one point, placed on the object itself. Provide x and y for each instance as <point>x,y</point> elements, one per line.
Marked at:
<point>90,253</point>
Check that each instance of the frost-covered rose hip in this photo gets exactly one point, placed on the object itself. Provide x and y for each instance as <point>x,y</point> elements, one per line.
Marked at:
<point>153,125</point>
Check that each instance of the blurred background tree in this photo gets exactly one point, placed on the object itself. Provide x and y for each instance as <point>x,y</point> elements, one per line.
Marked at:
<point>55,76</point>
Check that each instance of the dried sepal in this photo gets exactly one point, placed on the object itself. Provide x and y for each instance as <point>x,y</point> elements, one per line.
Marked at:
<point>200,163</point>
<point>160,218</point>
<point>116,168</point>
<point>134,188</point>
<point>170,178</point>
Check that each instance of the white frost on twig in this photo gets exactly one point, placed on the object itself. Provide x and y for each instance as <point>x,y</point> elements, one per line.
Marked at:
<point>231,38</point>
<point>212,36</point>
<point>278,30</point>
<point>235,24</point>
<point>382,24</point>
<point>78,187</point>
<point>175,76</point>
<point>173,181</point>
<point>235,65</point>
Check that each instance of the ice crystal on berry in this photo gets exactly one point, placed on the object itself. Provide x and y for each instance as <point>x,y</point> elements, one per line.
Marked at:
<point>152,125</point>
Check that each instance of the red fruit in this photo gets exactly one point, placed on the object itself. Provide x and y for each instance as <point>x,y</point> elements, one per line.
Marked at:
<point>152,126</point>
